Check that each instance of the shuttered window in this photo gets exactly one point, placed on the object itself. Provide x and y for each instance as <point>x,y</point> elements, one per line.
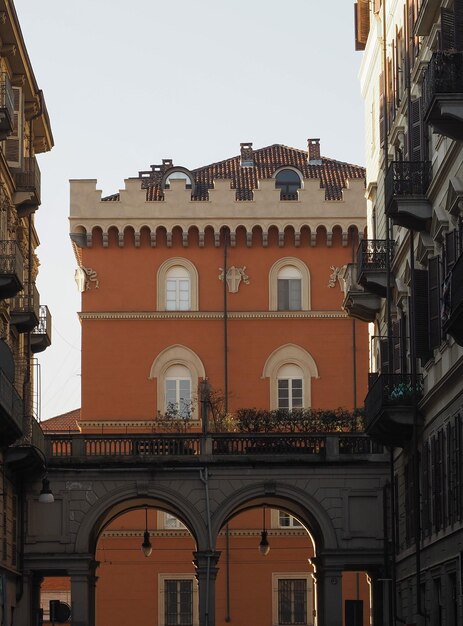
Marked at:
<point>289,289</point>
<point>434,288</point>
<point>381,110</point>
<point>14,143</point>
<point>421,325</point>
<point>362,23</point>
<point>416,130</point>
<point>426,491</point>
<point>447,33</point>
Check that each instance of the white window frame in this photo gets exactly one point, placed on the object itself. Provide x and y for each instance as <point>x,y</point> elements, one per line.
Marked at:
<point>288,264</point>
<point>168,521</point>
<point>178,283</point>
<point>161,596</point>
<point>291,373</point>
<point>276,576</point>
<point>293,522</point>
<point>161,282</point>
<point>184,406</point>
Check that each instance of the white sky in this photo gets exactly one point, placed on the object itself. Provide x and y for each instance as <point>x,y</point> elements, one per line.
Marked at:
<point>128,84</point>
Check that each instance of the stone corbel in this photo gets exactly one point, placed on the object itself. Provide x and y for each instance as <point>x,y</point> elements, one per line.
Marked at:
<point>105,238</point>
<point>329,239</point>
<point>297,239</point>
<point>217,239</point>
<point>136,238</point>
<point>185,239</point>
<point>90,240</point>
<point>345,239</point>
<point>2,17</point>
<point>120,239</point>
<point>232,239</point>
<point>8,50</point>
<point>249,239</point>
<point>153,239</point>
<point>169,240</point>
<point>201,238</point>
<point>313,238</point>
<point>281,239</point>
<point>18,80</point>
<point>264,239</point>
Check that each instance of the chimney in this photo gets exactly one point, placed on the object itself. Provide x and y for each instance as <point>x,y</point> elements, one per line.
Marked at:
<point>313,149</point>
<point>247,158</point>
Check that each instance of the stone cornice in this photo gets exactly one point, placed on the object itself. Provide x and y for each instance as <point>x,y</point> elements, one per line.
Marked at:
<point>209,315</point>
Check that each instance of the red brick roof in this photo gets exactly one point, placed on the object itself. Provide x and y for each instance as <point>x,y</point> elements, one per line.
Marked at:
<point>67,422</point>
<point>332,174</point>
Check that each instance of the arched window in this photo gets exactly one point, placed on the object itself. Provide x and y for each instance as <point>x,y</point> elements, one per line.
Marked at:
<point>288,182</point>
<point>289,289</point>
<point>289,285</point>
<point>178,292</point>
<point>177,370</point>
<point>290,370</point>
<point>290,380</point>
<point>177,285</point>
<point>178,391</point>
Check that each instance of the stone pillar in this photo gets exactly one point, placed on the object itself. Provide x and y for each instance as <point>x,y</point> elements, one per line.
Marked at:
<point>329,595</point>
<point>83,583</point>
<point>27,609</point>
<point>206,573</point>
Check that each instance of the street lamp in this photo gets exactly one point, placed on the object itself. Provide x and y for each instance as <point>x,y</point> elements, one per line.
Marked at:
<point>264,546</point>
<point>46,494</point>
<point>146,546</point>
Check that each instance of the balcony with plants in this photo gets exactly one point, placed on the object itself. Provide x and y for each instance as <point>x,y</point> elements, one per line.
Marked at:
<point>11,268</point>
<point>390,407</point>
<point>374,258</point>
<point>25,309</point>
<point>358,302</point>
<point>443,94</point>
<point>406,186</point>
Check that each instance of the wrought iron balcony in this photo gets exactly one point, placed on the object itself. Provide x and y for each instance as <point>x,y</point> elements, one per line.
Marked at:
<point>41,335</point>
<point>358,303</point>
<point>6,106</point>
<point>374,256</point>
<point>443,94</point>
<point>29,454</point>
<point>25,309</point>
<point>28,186</point>
<point>11,411</point>
<point>390,407</point>
<point>452,302</point>
<point>11,269</point>
<point>406,185</point>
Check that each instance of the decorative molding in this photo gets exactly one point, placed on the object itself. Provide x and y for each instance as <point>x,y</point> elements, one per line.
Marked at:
<point>209,315</point>
<point>234,277</point>
<point>273,281</point>
<point>335,275</point>
<point>91,276</point>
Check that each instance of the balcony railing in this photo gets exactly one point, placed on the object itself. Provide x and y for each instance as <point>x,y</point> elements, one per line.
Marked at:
<point>28,180</point>
<point>41,334</point>
<point>443,93</point>
<point>406,185</point>
<point>452,302</point>
<point>25,309</point>
<point>358,303</point>
<point>390,407</point>
<point>11,268</point>
<point>374,256</point>
<point>136,448</point>
<point>11,411</point>
<point>6,106</point>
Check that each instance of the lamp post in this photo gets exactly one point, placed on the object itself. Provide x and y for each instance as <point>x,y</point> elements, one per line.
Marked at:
<point>264,546</point>
<point>146,546</point>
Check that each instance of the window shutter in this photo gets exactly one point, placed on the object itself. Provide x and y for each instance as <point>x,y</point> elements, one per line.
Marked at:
<point>396,350</point>
<point>381,110</point>
<point>283,294</point>
<point>451,242</point>
<point>421,315</point>
<point>294,294</point>
<point>376,6</point>
<point>458,12</point>
<point>447,39</point>
<point>434,290</point>
<point>384,355</point>
<point>362,23</point>
<point>416,131</point>
<point>14,143</point>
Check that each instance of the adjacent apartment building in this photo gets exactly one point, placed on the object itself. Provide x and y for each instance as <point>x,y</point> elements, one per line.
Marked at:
<point>407,281</point>
<point>225,276</point>
<point>25,325</point>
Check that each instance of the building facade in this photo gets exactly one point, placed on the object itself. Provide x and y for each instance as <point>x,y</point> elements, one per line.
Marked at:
<point>208,294</point>
<point>407,281</point>
<point>25,325</point>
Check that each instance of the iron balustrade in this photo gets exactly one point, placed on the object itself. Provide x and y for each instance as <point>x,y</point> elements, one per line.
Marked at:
<point>28,179</point>
<point>44,325</point>
<point>372,255</point>
<point>11,259</point>
<point>138,447</point>
<point>27,301</point>
<point>406,179</point>
<point>444,75</point>
<point>391,390</point>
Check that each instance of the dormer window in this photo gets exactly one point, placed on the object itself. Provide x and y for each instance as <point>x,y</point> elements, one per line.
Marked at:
<point>288,182</point>
<point>178,173</point>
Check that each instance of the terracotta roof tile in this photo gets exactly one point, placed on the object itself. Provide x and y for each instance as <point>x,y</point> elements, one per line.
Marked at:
<point>331,173</point>
<point>67,422</point>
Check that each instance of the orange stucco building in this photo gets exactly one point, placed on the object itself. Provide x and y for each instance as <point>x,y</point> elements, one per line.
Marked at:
<point>158,319</point>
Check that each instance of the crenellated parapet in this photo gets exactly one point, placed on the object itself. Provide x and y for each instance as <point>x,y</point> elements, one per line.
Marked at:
<point>130,211</point>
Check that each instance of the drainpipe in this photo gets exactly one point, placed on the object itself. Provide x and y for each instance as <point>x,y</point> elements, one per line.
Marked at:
<point>225,320</point>
<point>354,341</point>
<point>227,554</point>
